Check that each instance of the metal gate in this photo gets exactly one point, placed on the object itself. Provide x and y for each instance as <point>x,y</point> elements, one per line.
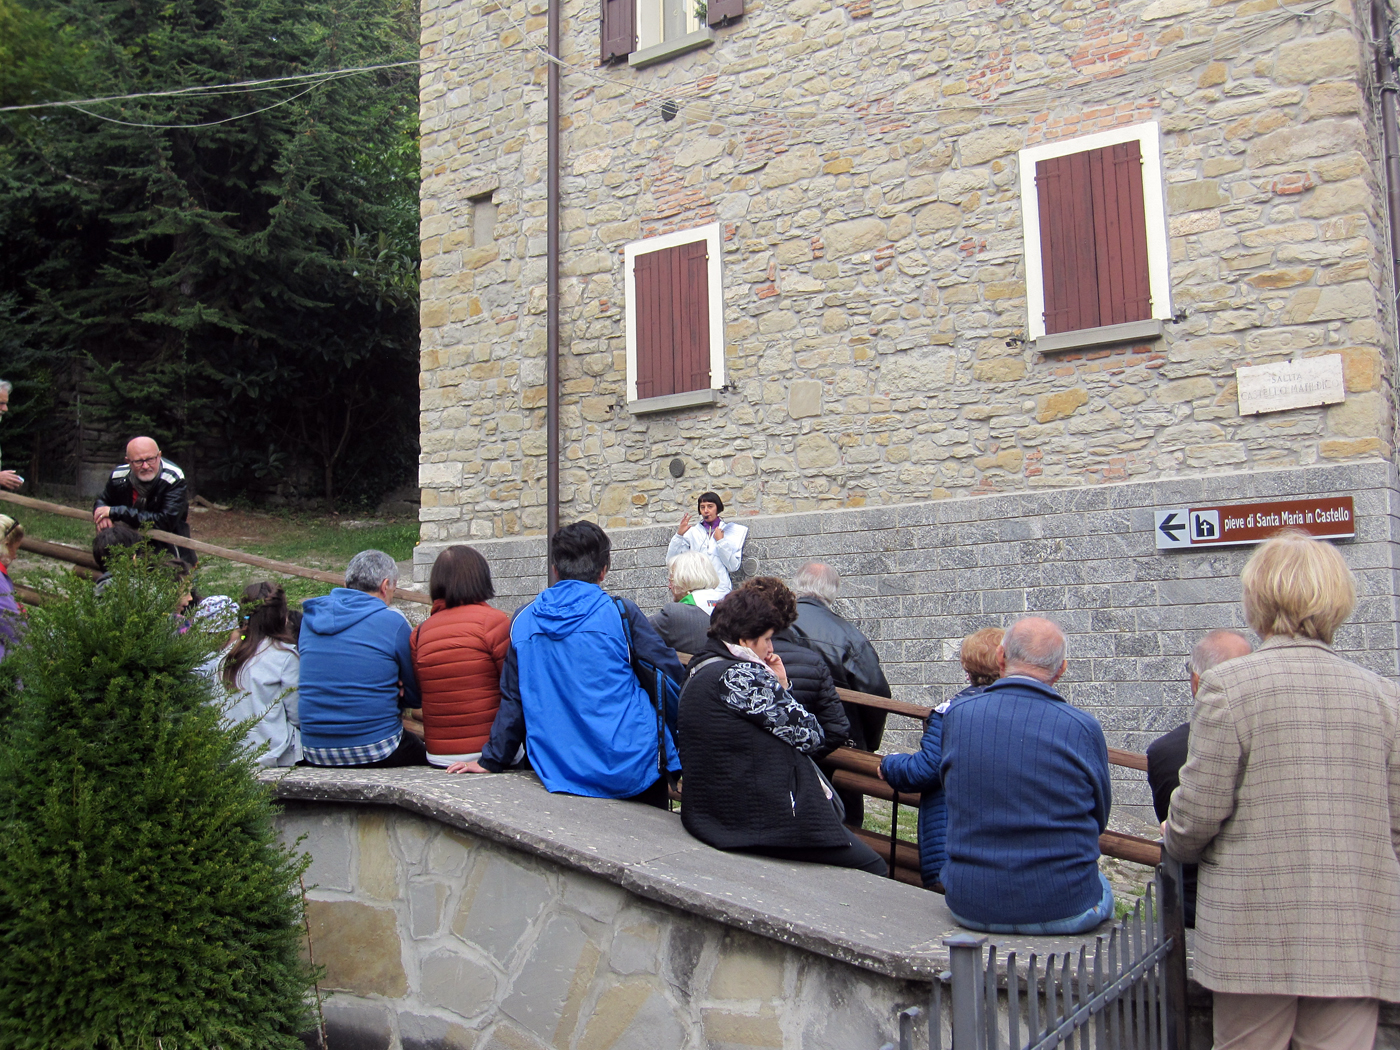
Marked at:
<point>1125,992</point>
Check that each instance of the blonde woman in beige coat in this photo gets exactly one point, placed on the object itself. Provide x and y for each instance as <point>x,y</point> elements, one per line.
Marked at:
<point>1290,801</point>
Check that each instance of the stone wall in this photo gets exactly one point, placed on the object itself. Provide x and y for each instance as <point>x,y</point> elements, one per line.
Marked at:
<point>861,160</point>
<point>918,578</point>
<point>437,938</point>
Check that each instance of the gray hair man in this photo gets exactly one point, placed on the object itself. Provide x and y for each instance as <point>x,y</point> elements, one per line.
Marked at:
<point>9,479</point>
<point>1028,795</point>
<point>848,653</point>
<point>1167,754</point>
<point>357,672</point>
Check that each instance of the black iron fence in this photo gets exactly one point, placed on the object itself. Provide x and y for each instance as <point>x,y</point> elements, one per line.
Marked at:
<point>1125,991</point>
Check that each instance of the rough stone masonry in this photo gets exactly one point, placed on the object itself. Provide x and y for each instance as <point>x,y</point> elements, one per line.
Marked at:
<point>883,407</point>
<point>861,159</point>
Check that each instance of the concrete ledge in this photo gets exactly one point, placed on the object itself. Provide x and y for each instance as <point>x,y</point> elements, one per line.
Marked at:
<point>853,917</point>
<point>702,37</point>
<point>671,402</point>
<point>1132,331</point>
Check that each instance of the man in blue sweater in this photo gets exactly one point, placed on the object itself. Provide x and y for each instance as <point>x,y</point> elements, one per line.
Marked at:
<point>356,672</point>
<point>1028,793</point>
<point>568,690</point>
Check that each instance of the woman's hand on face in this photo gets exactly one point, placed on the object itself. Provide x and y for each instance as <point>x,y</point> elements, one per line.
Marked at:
<point>775,664</point>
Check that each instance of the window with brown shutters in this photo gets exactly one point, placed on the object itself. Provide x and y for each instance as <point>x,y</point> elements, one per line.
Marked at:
<point>619,29</point>
<point>672,311</point>
<point>1093,238</point>
<point>627,25</point>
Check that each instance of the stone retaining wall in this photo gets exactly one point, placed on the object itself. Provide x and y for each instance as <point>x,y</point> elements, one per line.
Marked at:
<point>433,938</point>
<point>918,578</point>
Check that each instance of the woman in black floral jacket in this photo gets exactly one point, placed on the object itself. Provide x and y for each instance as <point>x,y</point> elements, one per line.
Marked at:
<point>749,783</point>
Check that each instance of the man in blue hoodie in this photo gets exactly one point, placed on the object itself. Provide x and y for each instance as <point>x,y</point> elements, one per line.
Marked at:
<point>568,690</point>
<point>356,672</point>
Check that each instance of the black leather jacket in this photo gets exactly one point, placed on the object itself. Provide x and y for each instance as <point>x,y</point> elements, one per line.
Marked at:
<point>164,507</point>
<point>849,654</point>
<point>811,685</point>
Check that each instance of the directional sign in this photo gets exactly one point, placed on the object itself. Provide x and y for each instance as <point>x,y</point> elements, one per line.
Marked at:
<point>1326,517</point>
<point>1171,529</point>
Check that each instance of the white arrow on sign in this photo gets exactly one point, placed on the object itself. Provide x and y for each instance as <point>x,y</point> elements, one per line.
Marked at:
<point>1170,529</point>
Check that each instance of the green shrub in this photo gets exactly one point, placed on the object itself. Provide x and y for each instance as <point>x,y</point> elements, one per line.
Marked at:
<point>144,898</point>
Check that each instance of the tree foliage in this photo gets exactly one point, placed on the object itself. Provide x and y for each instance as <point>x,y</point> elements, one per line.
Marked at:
<point>238,266</point>
<point>144,899</point>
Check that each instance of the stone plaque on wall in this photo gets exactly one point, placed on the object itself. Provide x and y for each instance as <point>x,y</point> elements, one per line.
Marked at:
<point>1290,384</point>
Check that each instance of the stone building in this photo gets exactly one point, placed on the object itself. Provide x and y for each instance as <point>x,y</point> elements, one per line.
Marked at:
<point>892,341</point>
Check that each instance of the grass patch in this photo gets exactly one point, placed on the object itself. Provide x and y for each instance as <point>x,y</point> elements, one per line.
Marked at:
<point>314,542</point>
<point>877,818</point>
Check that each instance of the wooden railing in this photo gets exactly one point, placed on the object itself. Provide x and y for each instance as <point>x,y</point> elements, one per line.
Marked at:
<point>856,770</point>
<point>73,554</point>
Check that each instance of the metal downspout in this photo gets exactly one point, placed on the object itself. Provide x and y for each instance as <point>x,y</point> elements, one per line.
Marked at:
<point>552,284</point>
<point>1385,77</point>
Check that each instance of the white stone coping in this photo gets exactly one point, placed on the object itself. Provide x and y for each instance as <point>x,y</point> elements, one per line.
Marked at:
<point>671,402</point>
<point>702,37</point>
<point>1129,332</point>
<point>877,924</point>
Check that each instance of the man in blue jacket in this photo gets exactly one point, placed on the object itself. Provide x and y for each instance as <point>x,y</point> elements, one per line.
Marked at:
<point>568,689</point>
<point>1027,783</point>
<point>356,672</point>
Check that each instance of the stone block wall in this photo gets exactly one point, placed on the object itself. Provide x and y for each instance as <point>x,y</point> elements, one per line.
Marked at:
<point>436,939</point>
<point>918,578</point>
<point>861,160</point>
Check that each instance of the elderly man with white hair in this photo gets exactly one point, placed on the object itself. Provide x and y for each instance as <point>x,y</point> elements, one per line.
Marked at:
<point>357,672</point>
<point>9,479</point>
<point>1027,782</point>
<point>853,662</point>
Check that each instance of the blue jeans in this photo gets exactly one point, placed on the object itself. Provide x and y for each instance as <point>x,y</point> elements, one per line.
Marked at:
<point>1074,924</point>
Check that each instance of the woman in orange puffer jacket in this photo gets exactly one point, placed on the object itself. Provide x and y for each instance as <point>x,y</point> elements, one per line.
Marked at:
<point>457,656</point>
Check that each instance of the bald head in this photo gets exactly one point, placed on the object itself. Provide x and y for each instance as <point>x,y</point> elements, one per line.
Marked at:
<point>1214,649</point>
<point>143,455</point>
<point>1035,647</point>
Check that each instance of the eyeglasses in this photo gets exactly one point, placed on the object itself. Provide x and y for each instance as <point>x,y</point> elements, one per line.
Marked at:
<point>145,461</point>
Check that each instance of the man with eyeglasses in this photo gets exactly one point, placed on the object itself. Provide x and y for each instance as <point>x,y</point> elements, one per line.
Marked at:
<point>146,490</point>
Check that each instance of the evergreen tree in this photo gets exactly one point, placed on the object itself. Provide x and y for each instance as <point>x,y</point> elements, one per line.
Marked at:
<point>144,899</point>
<point>242,265</point>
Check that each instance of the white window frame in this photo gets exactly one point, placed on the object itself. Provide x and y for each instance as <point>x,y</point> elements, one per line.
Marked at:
<point>714,288</point>
<point>1149,137</point>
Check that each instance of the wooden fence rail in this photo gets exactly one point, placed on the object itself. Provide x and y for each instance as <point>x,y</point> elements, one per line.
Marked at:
<point>855,770</point>
<point>286,568</point>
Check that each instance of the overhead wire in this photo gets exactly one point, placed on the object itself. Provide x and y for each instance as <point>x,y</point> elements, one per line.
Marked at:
<point>709,92</point>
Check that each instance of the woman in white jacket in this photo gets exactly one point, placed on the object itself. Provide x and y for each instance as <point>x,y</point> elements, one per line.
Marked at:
<point>261,672</point>
<point>719,540</point>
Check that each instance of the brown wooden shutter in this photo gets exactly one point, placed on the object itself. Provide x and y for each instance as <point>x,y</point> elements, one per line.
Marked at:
<point>693,363</point>
<point>673,319</point>
<point>720,12</point>
<point>1093,238</point>
<point>619,29</point>
<point>1120,232</point>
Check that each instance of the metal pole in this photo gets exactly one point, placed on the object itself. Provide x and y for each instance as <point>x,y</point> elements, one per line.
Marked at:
<point>965,962</point>
<point>551,366</point>
<point>1171,907</point>
<point>1390,135</point>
